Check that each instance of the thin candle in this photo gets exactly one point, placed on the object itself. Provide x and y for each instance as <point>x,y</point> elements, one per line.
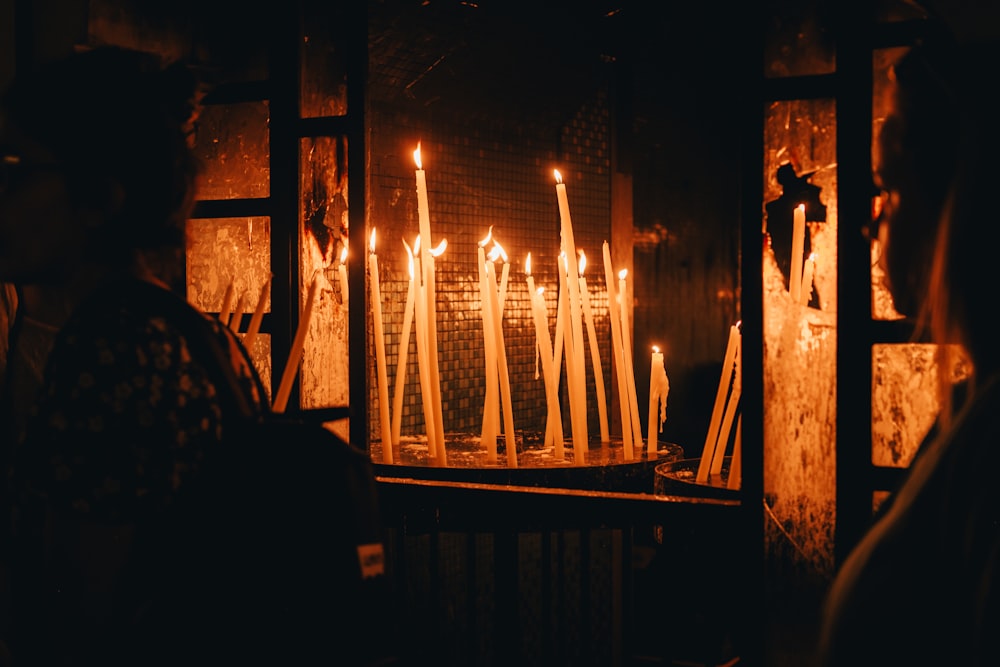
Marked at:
<point>420,313</point>
<point>798,241</point>
<point>258,314</point>
<point>237,317</point>
<point>432,356</point>
<point>629,368</point>
<point>557,354</point>
<point>385,421</point>
<point>576,360</point>
<point>508,417</point>
<point>731,409</point>
<point>619,357</point>
<point>295,354</point>
<point>550,378</point>
<point>808,271</point>
<point>404,345</point>
<point>711,439</point>
<point>227,301</point>
<point>595,353</point>
<point>491,403</point>
<point>577,403</point>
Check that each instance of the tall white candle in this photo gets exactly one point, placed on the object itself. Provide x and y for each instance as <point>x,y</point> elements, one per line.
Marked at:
<point>550,378</point>
<point>577,401</point>
<point>578,375</point>
<point>258,314</point>
<point>595,354</point>
<point>491,403</point>
<point>557,355</point>
<point>423,368</point>
<point>404,345</point>
<point>736,463</point>
<point>385,421</point>
<point>659,387</point>
<point>280,401</point>
<point>629,367</point>
<point>342,276</point>
<point>798,243</point>
<point>732,407</point>
<point>508,417</point>
<point>711,438</point>
<point>430,299</point>
<point>619,358</point>
<point>432,355</point>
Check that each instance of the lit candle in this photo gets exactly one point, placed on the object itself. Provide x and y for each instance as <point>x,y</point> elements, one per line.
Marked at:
<point>430,299</point>
<point>576,359</point>
<point>619,357</point>
<point>295,354</point>
<point>659,387</point>
<point>227,301</point>
<point>383,383</point>
<point>342,275</point>
<point>633,399</point>
<point>404,345</point>
<point>595,353</point>
<point>798,241</point>
<point>508,418</point>
<point>708,450</point>
<point>491,404</point>
<point>807,279</point>
<point>258,314</point>
<point>550,378</point>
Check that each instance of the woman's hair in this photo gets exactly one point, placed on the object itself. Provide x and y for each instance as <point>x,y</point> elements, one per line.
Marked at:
<point>119,121</point>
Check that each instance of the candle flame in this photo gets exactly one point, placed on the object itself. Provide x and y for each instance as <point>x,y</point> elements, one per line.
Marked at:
<point>527,264</point>
<point>812,257</point>
<point>494,253</point>
<point>622,274</point>
<point>557,175</point>
<point>489,235</point>
<point>656,349</point>
<point>343,255</point>
<point>371,241</point>
<point>500,252</point>
<point>539,291</point>
<point>416,244</point>
<point>416,157</point>
<point>439,250</point>
<point>583,261</point>
<point>411,261</point>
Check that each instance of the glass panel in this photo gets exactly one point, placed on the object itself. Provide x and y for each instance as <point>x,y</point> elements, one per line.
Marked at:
<point>325,369</point>
<point>796,39</point>
<point>906,399</point>
<point>233,143</point>
<point>800,334</point>
<point>234,253</point>
<point>324,70</point>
